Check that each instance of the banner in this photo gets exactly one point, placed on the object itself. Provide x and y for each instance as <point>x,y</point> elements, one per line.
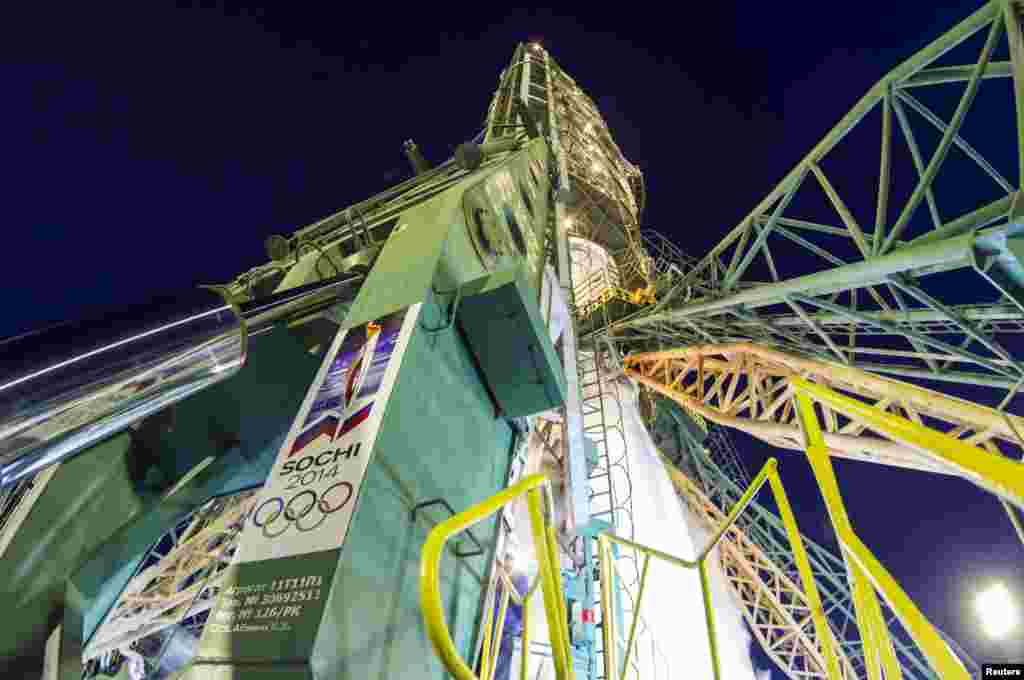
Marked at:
<point>310,495</point>
<point>269,608</point>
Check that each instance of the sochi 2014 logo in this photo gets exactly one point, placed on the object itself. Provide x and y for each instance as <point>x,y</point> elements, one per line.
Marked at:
<point>346,397</point>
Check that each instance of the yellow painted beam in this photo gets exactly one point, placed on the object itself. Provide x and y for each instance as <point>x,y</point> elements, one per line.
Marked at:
<point>552,594</point>
<point>861,563</point>
<point>1001,476</point>
<point>822,630</point>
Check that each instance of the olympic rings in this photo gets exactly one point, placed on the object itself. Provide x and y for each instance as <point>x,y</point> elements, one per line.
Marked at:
<point>256,514</point>
<point>266,530</point>
<point>323,498</point>
<point>294,512</point>
<point>314,526</point>
<point>289,516</point>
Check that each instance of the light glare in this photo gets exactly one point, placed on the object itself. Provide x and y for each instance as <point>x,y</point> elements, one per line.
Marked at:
<point>996,609</point>
<point>520,561</point>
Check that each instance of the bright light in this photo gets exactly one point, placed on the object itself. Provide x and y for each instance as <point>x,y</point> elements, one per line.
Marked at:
<point>568,222</point>
<point>996,609</point>
<point>520,560</point>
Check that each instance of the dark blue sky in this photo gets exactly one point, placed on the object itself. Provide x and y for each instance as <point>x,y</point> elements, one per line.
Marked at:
<point>152,149</point>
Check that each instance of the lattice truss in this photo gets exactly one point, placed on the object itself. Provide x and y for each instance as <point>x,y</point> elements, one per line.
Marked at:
<point>745,386</point>
<point>914,271</point>
<point>177,582</point>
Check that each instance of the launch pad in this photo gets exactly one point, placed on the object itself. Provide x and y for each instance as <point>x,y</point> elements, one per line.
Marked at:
<point>247,482</point>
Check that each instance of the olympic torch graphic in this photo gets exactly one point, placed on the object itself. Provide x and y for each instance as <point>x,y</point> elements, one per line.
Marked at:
<point>360,369</point>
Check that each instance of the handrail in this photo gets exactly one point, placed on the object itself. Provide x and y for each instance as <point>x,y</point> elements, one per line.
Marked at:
<point>550,582</point>
<point>769,473</point>
<point>994,473</point>
<point>518,598</point>
<point>620,640</point>
<point>865,572</point>
<point>489,654</point>
<point>549,579</point>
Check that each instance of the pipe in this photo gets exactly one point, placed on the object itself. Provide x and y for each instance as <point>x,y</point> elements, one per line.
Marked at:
<point>952,253</point>
<point>73,384</point>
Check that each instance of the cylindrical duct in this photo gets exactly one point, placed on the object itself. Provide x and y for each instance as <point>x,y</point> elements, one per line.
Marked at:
<point>72,384</point>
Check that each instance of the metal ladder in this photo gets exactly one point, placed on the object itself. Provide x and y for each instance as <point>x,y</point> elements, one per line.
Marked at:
<point>605,503</point>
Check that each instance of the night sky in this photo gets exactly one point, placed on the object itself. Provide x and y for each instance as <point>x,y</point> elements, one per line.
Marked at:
<point>147,150</point>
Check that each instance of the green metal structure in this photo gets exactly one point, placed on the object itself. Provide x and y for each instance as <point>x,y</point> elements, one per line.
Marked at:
<point>465,245</point>
<point>866,284</point>
<point>470,251</point>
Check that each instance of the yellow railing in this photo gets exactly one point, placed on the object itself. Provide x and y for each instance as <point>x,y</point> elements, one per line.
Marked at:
<point>638,297</point>
<point>549,579</point>
<point>493,629</point>
<point>768,473</point>
<point>868,578</point>
<point>1000,475</point>
<point>597,291</point>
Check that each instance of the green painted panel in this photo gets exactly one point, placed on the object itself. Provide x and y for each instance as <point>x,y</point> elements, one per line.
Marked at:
<point>509,338</point>
<point>269,611</point>
<point>406,265</point>
<point>257,404</point>
<point>86,500</point>
<point>508,207</point>
<point>439,439</point>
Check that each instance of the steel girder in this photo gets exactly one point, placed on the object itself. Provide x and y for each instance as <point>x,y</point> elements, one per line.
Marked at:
<point>866,290</point>
<point>744,385</point>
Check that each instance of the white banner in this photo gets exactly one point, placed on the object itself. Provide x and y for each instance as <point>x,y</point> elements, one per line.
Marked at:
<point>307,503</point>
